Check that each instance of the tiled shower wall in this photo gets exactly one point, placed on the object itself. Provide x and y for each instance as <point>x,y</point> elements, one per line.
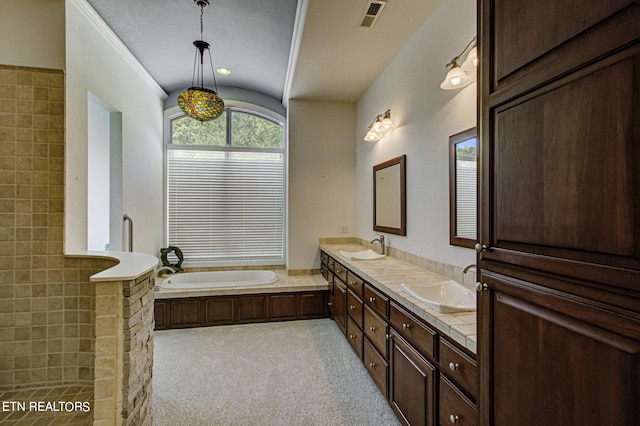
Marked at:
<point>46,301</point>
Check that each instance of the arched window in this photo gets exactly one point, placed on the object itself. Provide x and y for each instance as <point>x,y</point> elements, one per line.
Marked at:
<point>225,183</point>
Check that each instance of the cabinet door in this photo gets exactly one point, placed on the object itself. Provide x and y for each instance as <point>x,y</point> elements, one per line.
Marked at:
<point>412,384</point>
<point>340,304</point>
<point>550,360</point>
<point>559,322</point>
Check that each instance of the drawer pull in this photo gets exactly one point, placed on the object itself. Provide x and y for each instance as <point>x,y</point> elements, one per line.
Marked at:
<point>352,283</point>
<point>352,336</point>
<point>454,367</point>
<point>338,271</point>
<point>372,299</point>
<point>372,328</point>
<point>406,326</point>
<point>454,419</point>
<point>330,303</point>
<point>372,364</point>
<point>343,291</point>
<point>352,307</point>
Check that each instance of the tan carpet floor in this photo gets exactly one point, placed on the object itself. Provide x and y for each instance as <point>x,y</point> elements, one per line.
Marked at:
<point>286,373</point>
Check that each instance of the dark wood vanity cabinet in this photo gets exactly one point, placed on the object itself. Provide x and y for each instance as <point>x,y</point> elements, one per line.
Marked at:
<point>425,377</point>
<point>559,249</point>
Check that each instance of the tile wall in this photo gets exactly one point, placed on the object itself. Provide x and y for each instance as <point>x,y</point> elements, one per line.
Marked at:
<point>46,301</point>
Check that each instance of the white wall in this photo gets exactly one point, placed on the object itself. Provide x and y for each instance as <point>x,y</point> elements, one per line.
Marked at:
<point>32,33</point>
<point>425,117</point>
<point>97,62</point>
<point>322,186</point>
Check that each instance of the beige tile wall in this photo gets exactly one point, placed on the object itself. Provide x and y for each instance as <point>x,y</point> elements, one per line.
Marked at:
<point>46,301</point>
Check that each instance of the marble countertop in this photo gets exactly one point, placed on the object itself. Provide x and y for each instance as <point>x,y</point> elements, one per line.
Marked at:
<point>129,267</point>
<point>286,283</point>
<point>388,273</point>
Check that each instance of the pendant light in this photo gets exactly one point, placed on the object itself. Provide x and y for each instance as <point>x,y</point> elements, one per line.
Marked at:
<point>199,102</point>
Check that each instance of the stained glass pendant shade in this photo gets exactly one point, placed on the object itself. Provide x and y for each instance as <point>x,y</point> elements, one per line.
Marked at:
<point>199,102</point>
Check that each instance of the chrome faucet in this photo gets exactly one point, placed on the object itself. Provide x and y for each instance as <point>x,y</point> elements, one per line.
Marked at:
<point>171,269</point>
<point>382,249</point>
<point>466,268</point>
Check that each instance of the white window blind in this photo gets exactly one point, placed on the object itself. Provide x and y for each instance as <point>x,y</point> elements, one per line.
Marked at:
<point>466,187</point>
<point>226,205</point>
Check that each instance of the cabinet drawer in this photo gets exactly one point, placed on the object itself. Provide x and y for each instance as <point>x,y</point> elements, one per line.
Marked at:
<point>354,308</point>
<point>324,270</point>
<point>354,336</point>
<point>455,408</point>
<point>324,258</point>
<point>377,367</point>
<point>375,328</point>
<point>355,283</point>
<point>341,272</point>
<point>331,264</point>
<point>412,329</point>
<point>378,301</point>
<point>461,368</point>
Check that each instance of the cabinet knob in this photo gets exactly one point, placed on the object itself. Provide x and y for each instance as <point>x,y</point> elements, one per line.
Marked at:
<point>372,299</point>
<point>480,248</point>
<point>454,419</point>
<point>330,303</point>
<point>372,364</point>
<point>352,307</point>
<point>387,336</point>
<point>372,328</point>
<point>454,366</point>
<point>343,291</point>
<point>406,326</point>
<point>338,271</point>
<point>352,336</point>
<point>480,287</point>
<point>352,283</point>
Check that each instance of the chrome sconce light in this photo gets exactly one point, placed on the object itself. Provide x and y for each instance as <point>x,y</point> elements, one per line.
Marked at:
<point>380,127</point>
<point>459,76</point>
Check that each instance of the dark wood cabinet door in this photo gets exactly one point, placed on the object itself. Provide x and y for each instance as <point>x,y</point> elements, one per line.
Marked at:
<point>161,314</point>
<point>412,384</point>
<point>219,310</point>
<point>186,312</point>
<point>252,309</point>
<point>340,304</point>
<point>559,129</point>
<point>556,360</point>
<point>313,305</point>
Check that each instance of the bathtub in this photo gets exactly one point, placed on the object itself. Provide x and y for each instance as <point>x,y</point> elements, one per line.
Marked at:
<point>217,279</point>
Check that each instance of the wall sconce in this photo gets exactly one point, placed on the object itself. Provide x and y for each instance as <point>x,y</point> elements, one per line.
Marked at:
<point>458,77</point>
<point>380,127</point>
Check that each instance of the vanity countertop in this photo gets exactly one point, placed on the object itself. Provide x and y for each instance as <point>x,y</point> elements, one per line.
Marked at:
<point>388,273</point>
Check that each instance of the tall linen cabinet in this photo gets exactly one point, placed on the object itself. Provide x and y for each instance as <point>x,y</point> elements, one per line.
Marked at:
<point>559,246</point>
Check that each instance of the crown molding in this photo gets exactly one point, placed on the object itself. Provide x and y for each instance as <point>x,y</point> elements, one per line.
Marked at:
<point>296,40</point>
<point>98,23</point>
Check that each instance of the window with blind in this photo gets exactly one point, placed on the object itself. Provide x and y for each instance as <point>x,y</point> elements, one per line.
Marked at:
<point>226,189</point>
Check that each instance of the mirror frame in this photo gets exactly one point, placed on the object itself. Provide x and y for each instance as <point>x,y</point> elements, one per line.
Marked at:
<point>454,140</point>
<point>402,230</point>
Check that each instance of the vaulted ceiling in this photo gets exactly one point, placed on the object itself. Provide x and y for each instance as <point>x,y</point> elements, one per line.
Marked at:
<point>308,49</point>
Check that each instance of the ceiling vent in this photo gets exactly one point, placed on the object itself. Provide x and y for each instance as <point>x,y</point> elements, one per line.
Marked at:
<point>372,13</point>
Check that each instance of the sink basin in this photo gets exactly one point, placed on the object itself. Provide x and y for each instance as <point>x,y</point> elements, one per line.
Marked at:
<point>361,255</point>
<point>446,297</point>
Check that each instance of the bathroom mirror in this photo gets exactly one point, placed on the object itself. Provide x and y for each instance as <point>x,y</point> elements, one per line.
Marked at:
<point>389,201</point>
<point>463,188</point>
